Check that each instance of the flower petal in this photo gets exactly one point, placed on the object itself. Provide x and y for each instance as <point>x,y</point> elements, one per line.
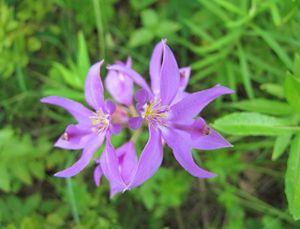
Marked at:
<point>127,160</point>
<point>120,86</point>
<point>74,137</point>
<point>77,110</point>
<point>169,76</point>
<point>155,67</point>
<point>150,159</point>
<point>93,90</point>
<point>135,123</point>
<point>184,74</point>
<point>212,141</point>
<point>136,77</point>
<point>193,104</point>
<point>91,147</point>
<point>97,175</point>
<point>111,169</point>
<point>179,141</point>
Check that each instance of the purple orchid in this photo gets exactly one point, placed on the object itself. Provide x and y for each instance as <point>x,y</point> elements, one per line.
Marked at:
<point>170,115</point>
<point>93,126</point>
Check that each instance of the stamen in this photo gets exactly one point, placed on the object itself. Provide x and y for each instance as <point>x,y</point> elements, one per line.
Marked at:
<point>155,113</point>
<point>100,121</point>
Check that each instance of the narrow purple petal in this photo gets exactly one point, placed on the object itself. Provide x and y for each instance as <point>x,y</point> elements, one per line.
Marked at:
<point>109,106</point>
<point>184,74</point>
<point>135,123</point>
<point>97,175</point>
<point>155,67</point>
<point>120,86</point>
<point>74,137</point>
<point>111,169</point>
<point>212,141</point>
<point>150,159</point>
<point>127,160</point>
<point>77,110</point>
<point>179,96</point>
<point>136,77</point>
<point>115,128</point>
<point>129,62</point>
<point>179,142</point>
<point>193,103</point>
<point>91,147</point>
<point>93,90</point>
<point>169,78</point>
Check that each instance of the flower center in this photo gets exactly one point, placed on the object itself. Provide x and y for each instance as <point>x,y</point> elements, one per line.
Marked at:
<point>155,113</point>
<point>100,121</point>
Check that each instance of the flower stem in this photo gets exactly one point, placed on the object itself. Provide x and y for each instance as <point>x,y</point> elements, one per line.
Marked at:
<point>100,27</point>
<point>72,201</point>
<point>179,219</point>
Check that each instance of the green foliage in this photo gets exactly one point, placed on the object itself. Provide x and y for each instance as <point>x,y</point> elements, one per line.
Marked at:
<point>163,191</point>
<point>292,178</point>
<point>21,160</point>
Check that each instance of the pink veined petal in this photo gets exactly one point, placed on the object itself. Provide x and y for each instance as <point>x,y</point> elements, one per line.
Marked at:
<point>136,77</point>
<point>155,67</point>
<point>192,104</point>
<point>74,137</point>
<point>150,159</point>
<point>184,77</point>
<point>77,110</point>
<point>127,160</point>
<point>178,141</point>
<point>111,169</point>
<point>87,154</point>
<point>93,89</point>
<point>97,175</point>
<point>120,86</point>
<point>169,76</point>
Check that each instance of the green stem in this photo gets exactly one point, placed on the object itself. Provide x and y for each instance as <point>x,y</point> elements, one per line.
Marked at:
<point>71,198</point>
<point>100,27</point>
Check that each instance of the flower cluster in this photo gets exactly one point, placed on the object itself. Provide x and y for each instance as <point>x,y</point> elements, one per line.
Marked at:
<point>166,109</point>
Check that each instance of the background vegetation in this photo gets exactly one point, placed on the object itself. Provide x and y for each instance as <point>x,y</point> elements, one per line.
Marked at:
<point>251,46</point>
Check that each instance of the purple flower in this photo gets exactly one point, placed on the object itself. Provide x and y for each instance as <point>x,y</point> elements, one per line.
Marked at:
<point>93,127</point>
<point>119,85</point>
<point>171,119</point>
<point>118,166</point>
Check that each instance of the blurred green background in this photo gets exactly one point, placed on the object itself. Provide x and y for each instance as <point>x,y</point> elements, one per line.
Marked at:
<point>251,46</point>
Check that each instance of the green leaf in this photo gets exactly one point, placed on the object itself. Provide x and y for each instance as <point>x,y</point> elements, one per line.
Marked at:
<point>254,124</point>
<point>165,28</point>
<point>245,72</point>
<point>281,143</point>
<point>5,179</point>
<point>296,67</point>
<point>83,60</point>
<point>141,37</point>
<point>292,178</point>
<point>149,18</point>
<point>264,106</point>
<point>292,91</point>
<point>273,89</point>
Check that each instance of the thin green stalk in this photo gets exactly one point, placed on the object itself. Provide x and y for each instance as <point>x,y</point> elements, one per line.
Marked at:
<point>72,201</point>
<point>71,198</point>
<point>100,27</point>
